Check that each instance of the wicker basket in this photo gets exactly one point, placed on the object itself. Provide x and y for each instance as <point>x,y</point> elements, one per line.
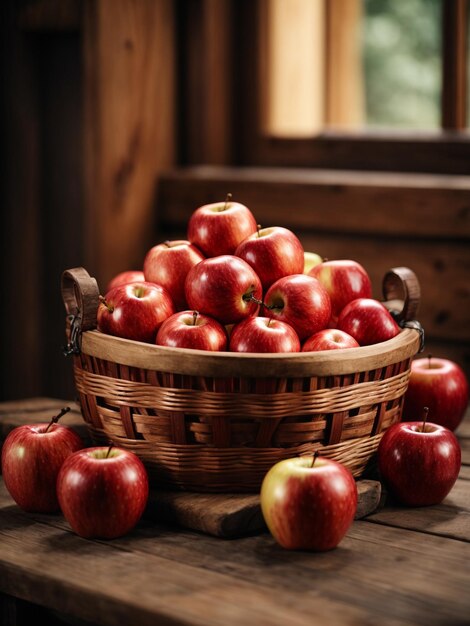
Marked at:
<point>207,421</point>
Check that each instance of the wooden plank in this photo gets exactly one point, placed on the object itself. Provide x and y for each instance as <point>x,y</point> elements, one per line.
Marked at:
<point>233,515</point>
<point>34,410</point>
<point>154,574</point>
<point>410,205</point>
<point>205,47</point>
<point>129,126</point>
<point>20,226</point>
<point>451,518</point>
<point>454,64</point>
<point>51,15</point>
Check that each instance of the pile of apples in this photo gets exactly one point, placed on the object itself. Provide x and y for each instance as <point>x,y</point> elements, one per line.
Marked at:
<point>235,286</point>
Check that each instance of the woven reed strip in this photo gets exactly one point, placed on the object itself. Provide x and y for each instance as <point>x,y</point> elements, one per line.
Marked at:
<point>222,468</point>
<point>143,395</point>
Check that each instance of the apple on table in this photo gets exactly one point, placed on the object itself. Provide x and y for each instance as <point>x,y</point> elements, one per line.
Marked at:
<point>134,311</point>
<point>218,228</point>
<point>308,502</point>
<point>263,334</point>
<point>441,385</point>
<point>419,461</point>
<point>190,329</point>
<point>32,456</point>
<point>102,491</point>
<point>168,264</point>
<point>273,253</point>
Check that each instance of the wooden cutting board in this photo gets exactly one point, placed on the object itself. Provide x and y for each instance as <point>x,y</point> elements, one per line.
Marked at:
<point>221,515</point>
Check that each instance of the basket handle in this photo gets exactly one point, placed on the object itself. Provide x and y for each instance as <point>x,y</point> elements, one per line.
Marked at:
<point>402,293</point>
<point>80,294</point>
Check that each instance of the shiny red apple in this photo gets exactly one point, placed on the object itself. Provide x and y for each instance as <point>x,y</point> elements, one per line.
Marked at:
<point>32,456</point>
<point>218,228</point>
<point>134,311</point>
<point>190,329</point>
<point>224,287</point>
<point>441,385</point>
<point>168,264</point>
<point>273,253</point>
<point>123,278</point>
<point>368,321</point>
<point>263,334</point>
<point>344,280</point>
<point>329,339</point>
<point>102,491</point>
<point>301,301</point>
<point>419,462</point>
<point>308,503</point>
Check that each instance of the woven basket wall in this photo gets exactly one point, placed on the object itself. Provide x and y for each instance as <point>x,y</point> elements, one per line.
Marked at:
<point>218,421</point>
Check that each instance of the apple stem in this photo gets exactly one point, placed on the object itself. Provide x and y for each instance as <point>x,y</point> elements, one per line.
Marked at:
<point>425,417</point>
<point>258,228</point>
<point>316,454</point>
<point>251,298</point>
<point>111,446</point>
<point>227,200</point>
<point>195,314</point>
<point>57,417</point>
<point>429,361</point>
<point>167,244</point>
<point>102,299</point>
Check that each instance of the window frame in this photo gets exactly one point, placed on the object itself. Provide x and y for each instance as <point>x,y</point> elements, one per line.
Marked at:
<point>228,130</point>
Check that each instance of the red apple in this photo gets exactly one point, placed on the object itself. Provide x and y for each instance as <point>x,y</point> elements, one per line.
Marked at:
<point>344,280</point>
<point>218,228</point>
<point>368,321</point>
<point>442,386</point>
<point>419,463</point>
<point>167,264</point>
<point>32,456</point>
<point>329,339</point>
<point>308,503</point>
<point>102,491</point>
<point>301,301</point>
<point>224,287</point>
<point>273,253</point>
<point>190,329</point>
<point>263,334</point>
<point>134,311</point>
<point>123,278</point>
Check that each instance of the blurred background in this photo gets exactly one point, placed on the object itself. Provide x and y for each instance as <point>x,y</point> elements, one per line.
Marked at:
<point>344,120</point>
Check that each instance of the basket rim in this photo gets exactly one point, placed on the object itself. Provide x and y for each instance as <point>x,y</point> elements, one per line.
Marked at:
<point>226,364</point>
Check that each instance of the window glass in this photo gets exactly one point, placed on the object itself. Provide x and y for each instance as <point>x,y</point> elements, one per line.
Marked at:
<point>401,42</point>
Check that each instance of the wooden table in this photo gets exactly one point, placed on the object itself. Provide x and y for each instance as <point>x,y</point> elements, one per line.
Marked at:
<point>398,566</point>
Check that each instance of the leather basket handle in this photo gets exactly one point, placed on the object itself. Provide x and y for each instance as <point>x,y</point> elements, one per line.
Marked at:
<point>402,293</point>
<point>80,294</point>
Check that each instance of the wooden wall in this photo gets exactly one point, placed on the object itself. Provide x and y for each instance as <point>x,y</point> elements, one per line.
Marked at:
<point>88,119</point>
<point>102,99</point>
